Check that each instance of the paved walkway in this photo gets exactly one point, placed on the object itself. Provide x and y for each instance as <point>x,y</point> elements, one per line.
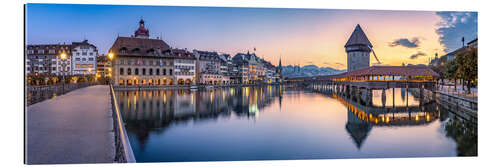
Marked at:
<point>72,128</point>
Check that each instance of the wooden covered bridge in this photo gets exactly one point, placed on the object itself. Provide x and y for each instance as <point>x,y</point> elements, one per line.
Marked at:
<point>362,81</point>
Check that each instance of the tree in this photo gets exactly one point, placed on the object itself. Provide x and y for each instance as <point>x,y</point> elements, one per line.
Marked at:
<point>451,72</point>
<point>467,66</point>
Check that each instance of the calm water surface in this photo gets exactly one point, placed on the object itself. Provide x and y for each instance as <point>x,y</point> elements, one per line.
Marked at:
<point>275,122</point>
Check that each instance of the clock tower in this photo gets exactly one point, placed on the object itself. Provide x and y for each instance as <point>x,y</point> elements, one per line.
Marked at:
<point>358,49</point>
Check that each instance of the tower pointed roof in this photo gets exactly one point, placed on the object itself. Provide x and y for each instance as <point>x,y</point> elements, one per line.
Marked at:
<point>142,31</point>
<point>358,37</point>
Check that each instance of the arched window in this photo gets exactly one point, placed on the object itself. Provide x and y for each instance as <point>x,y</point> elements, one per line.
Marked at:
<point>150,71</point>
<point>157,71</point>
<point>136,71</point>
<point>143,71</point>
<point>170,72</point>
<point>129,71</point>
<point>164,71</point>
<point>123,50</point>
<point>121,71</point>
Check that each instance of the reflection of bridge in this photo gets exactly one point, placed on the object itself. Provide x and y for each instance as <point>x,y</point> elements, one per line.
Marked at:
<point>362,116</point>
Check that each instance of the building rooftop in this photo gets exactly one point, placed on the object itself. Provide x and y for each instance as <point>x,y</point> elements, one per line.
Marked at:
<point>131,46</point>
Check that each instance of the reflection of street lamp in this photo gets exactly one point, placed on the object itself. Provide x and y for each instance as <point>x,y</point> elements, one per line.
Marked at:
<point>111,56</point>
<point>63,58</point>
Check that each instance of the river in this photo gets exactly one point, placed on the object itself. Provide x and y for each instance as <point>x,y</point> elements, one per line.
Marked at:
<point>285,123</point>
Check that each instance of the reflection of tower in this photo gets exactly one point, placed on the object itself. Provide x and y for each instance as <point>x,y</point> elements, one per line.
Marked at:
<point>280,96</point>
<point>358,50</point>
<point>357,128</point>
<point>279,71</point>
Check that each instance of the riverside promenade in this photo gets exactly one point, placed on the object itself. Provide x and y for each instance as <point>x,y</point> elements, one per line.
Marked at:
<point>76,127</point>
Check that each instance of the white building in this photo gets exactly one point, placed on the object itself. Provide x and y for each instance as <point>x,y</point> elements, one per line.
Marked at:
<point>184,67</point>
<point>84,58</point>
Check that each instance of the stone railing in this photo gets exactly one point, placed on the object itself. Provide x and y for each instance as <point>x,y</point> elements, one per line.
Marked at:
<point>35,94</point>
<point>123,150</point>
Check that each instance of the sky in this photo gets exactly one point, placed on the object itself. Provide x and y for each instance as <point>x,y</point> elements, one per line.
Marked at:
<point>297,36</point>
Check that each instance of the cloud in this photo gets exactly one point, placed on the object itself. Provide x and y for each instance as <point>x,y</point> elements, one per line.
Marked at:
<point>405,42</point>
<point>417,55</point>
<point>455,25</point>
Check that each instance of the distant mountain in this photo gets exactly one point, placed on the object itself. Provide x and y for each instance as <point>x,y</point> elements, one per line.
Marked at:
<point>309,70</point>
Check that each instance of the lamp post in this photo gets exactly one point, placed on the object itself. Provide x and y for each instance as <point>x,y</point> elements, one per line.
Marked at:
<point>63,58</point>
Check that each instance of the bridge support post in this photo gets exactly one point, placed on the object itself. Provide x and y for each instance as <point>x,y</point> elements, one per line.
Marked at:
<point>383,97</point>
<point>421,98</point>
<point>358,94</point>
<point>393,95</point>
<point>369,95</point>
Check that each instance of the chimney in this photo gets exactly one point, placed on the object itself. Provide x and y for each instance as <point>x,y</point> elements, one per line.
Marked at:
<point>463,41</point>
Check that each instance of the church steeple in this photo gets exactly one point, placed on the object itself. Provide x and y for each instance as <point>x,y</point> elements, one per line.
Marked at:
<point>141,32</point>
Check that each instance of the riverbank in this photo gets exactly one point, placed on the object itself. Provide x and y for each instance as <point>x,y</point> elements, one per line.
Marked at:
<point>464,107</point>
<point>169,87</point>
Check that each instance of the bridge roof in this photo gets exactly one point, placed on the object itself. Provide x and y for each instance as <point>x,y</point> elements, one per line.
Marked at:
<point>390,70</point>
<point>379,70</point>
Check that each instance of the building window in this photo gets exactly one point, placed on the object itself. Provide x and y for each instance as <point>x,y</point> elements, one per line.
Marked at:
<point>83,59</point>
<point>121,71</point>
<point>40,51</point>
<point>157,71</point>
<point>78,66</point>
<point>91,66</point>
<point>30,51</point>
<point>84,66</point>
<point>129,71</point>
<point>91,59</point>
<point>84,53</point>
<point>77,59</point>
<point>53,68</point>
<point>150,71</point>
<point>164,71</point>
<point>136,71</point>
<point>170,71</point>
<point>143,71</point>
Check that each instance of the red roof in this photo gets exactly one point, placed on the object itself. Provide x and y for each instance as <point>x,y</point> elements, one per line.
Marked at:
<point>142,30</point>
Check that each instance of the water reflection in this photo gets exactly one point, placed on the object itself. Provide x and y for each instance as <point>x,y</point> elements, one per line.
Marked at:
<point>155,110</point>
<point>278,122</point>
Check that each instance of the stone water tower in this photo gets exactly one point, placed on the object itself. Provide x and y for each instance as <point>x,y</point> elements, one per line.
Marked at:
<point>358,49</point>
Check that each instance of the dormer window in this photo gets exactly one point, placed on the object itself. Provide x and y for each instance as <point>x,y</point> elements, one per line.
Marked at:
<point>136,50</point>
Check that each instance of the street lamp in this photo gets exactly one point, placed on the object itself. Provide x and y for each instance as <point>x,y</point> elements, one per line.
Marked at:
<point>63,58</point>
